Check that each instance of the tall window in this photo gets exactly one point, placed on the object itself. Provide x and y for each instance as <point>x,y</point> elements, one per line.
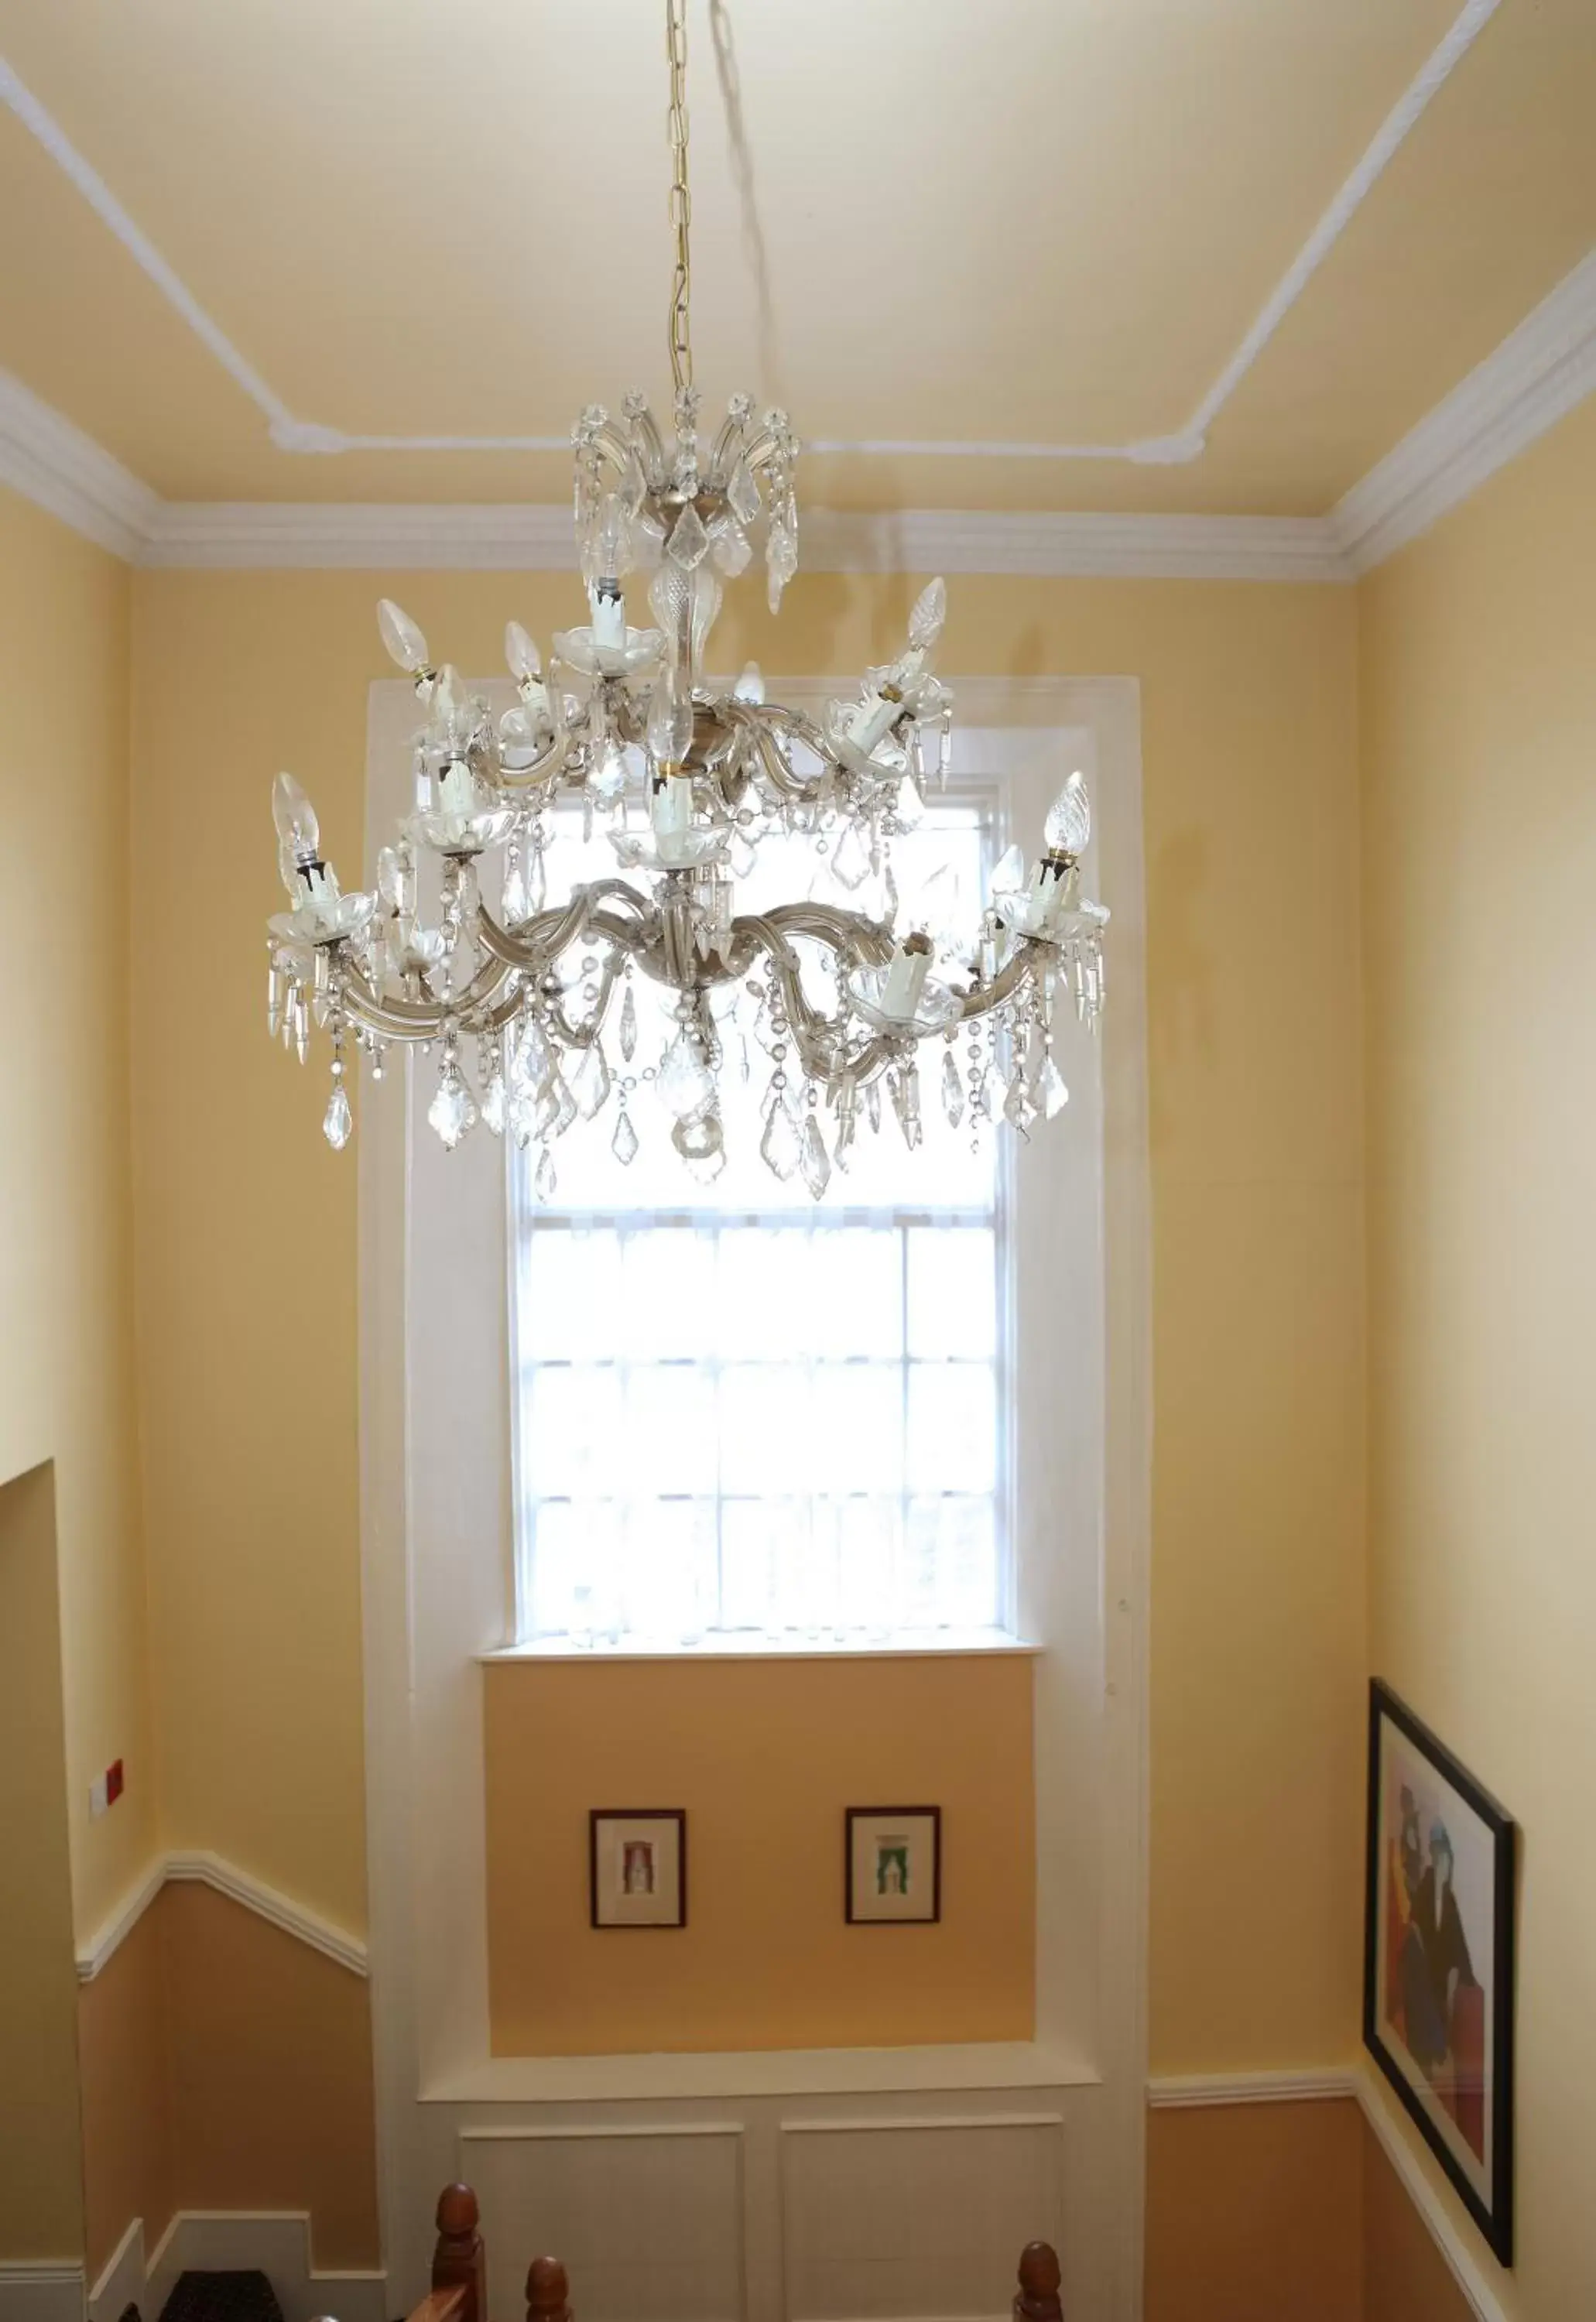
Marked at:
<point>740,1413</point>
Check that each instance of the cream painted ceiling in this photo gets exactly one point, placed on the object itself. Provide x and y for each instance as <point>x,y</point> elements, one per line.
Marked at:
<point>1026,222</point>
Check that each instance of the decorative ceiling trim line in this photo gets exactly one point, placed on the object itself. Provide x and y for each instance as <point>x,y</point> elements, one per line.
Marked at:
<point>200,1868</point>
<point>533,538</point>
<point>1536,375</point>
<point>295,435</point>
<point>66,472</point>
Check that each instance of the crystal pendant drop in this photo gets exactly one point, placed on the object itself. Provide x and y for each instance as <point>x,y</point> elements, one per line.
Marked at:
<point>850,864</point>
<point>952,1089</point>
<point>781,1149</point>
<point>742,494</point>
<point>1051,1093</point>
<point>493,1103</point>
<point>628,1026</point>
<point>1019,1110</point>
<point>453,1111</point>
<point>513,902</point>
<point>685,1083</point>
<point>624,1143</point>
<point>872,1103</point>
<point>702,1142</point>
<point>589,1081</point>
<point>814,1161</point>
<point>338,1123</point>
<point>543,1182</point>
<point>688,539</point>
<point>906,1102</point>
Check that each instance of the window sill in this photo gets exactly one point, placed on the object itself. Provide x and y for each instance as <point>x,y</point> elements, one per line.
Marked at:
<point>769,2072</point>
<point>901,1644</point>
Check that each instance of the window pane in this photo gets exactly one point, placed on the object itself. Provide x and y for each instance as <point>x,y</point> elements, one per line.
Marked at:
<point>952,1428</point>
<point>953,1291</point>
<point>764,1429</point>
<point>857,1440</point>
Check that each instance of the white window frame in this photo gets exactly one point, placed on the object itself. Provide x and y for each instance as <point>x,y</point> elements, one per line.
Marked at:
<point>435,1500</point>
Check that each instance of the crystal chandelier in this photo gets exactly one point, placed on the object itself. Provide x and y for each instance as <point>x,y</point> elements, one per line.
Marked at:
<point>625,731</point>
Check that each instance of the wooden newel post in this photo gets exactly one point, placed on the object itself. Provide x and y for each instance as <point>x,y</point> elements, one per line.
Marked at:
<point>548,2291</point>
<point>1037,2299</point>
<point>460,2260</point>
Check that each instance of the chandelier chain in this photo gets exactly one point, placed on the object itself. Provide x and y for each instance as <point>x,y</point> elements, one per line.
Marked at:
<point>681,207</point>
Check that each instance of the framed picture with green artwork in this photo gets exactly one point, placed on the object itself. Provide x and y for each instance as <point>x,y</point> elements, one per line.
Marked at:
<point>893,1857</point>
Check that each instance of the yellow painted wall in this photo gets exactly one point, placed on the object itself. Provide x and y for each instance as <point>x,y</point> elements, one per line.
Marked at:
<point>1479,733</point>
<point>125,2019</point>
<point>246,1234</point>
<point>765,1756</point>
<point>66,1244</point>
<point>41,2146</point>
<point>1254,2214</point>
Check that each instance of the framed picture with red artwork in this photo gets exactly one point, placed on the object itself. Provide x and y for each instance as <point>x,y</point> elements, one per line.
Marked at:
<point>637,1867</point>
<point>1438,1956</point>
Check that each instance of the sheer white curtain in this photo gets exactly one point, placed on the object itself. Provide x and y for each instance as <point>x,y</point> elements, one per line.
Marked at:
<point>738,1413</point>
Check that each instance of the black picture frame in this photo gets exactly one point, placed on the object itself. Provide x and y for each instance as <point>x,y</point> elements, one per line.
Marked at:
<point>597,1818</point>
<point>853,1814</point>
<point>1489,2202</point>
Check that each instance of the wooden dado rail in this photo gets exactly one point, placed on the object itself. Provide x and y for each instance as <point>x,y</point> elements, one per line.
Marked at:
<point>459,2274</point>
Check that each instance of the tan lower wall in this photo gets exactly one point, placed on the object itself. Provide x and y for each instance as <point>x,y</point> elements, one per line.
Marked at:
<point>125,2036</point>
<point>227,2066</point>
<point>764,1755</point>
<point>1253,2213</point>
<point>41,2154</point>
<point>1405,2277</point>
<point>1285,2213</point>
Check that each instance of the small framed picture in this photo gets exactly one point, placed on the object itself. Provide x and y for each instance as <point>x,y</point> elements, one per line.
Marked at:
<point>638,1865</point>
<point>1438,1957</point>
<point>894,1865</point>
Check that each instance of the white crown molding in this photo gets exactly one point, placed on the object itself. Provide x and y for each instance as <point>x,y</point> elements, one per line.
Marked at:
<point>509,538</point>
<point>1536,375</point>
<point>309,437</point>
<point>1358,2082</point>
<point>66,472</point>
<point>1533,378</point>
<point>198,1867</point>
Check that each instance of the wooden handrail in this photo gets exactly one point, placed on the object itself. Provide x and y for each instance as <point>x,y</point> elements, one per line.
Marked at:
<point>1038,2297</point>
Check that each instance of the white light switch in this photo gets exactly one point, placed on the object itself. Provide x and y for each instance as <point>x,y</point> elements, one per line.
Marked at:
<point>97,1799</point>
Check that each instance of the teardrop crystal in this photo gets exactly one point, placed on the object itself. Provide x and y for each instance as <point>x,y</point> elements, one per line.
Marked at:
<point>814,1160</point>
<point>781,1145</point>
<point>543,1180</point>
<point>628,1026</point>
<point>453,1111</point>
<point>688,539</point>
<point>589,1081</point>
<point>906,1102</point>
<point>339,1121</point>
<point>1051,1093</point>
<point>685,1083</point>
<point>742,494</point>
<point>493,1104</point>
<point>952,1089</point>
<point>624,1143</point>
<point>850,861</point>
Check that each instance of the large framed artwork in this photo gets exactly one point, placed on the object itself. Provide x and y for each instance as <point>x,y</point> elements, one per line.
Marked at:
<point>1438,1956</point>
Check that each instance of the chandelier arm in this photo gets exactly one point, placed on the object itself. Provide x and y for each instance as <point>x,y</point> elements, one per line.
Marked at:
<point>421,1020</point>
<point>1023,968</point>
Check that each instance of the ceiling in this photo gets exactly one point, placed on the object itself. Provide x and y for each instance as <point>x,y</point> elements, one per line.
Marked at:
<point>1034,222</point>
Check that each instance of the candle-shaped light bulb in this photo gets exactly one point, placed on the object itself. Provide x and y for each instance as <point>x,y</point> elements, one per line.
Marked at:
<point>525,662</point>
<point>1067,829</point>
<point>607,546</point>
<point>296,821</point>
<point>404,641</point>
<point>751,686</point>
<point>905,980</point>
<point>931,610</point>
